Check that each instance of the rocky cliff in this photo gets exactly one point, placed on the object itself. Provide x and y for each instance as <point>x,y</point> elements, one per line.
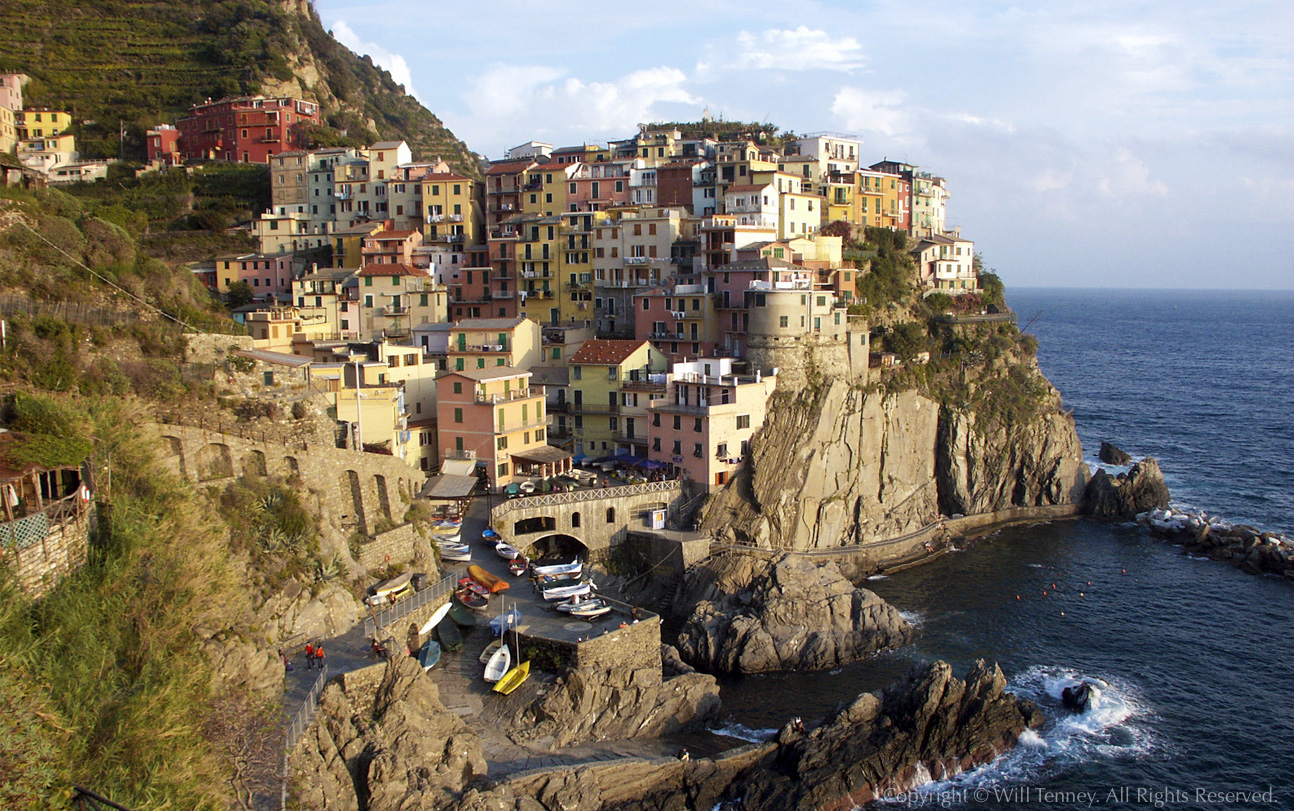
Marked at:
<point>792,615</point>
<point>839,465</point>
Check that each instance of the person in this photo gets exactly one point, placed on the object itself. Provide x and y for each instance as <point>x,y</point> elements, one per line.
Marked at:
<point>797,724</point>
<point>319,656</point>
<point>683,755</point>
<point>310,656</point>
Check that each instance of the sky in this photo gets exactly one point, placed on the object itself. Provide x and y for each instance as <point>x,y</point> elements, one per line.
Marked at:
<point>1137,143</point>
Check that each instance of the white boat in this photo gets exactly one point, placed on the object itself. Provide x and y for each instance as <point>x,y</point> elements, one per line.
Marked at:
<point>527,487</point>
<point>570,605</point>
<point>436,617</point>
<point>489,650</point>
<point>590,611</point>
<point>448,537</point>
<point>566,592</point>
<point>575,567</point>
<point>456,555</point>
<point>453,547</point>
<point>500,663</point>
<point>507,551</point>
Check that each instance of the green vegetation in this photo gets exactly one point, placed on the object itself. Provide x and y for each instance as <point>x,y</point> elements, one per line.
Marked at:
<point>272,528</point>
<point>102,682</point>
<point>761,133</point>
<point>127,65</point>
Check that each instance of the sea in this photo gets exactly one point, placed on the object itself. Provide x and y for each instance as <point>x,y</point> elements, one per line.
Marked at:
<point>1193,658</point>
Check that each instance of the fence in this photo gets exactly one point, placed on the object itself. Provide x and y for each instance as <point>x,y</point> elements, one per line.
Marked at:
<point>299,723</point>
<point>77,313</point>
<point>31,529</point>
<point>388,616</point>
<point>577,496</point>
<point>219,426</point>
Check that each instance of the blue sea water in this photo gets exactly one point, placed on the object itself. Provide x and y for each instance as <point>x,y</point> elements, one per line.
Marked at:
<point>1196,656</point>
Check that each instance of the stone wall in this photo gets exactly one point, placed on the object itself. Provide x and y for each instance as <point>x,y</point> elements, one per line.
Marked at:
<point>599,519</point>
<point>399,545</point>
<point>347,490</point>
<point>39,565</point>
<point>800,358</point>
<point>670,554</point>
<point>635,646</point>
<point>213,348</point>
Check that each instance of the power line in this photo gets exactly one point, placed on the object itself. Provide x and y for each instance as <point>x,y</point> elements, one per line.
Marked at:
<point>108,281</point>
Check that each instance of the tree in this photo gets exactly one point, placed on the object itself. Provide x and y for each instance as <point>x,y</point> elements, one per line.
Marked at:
<point>992,289</point>
<point>240,293</point>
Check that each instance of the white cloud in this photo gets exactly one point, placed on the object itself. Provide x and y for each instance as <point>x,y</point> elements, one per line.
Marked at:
<point>881,111</point>
<point>801,48</point>
<point>394,63</point>
<point>537,102</point>
<point>1128,175</point>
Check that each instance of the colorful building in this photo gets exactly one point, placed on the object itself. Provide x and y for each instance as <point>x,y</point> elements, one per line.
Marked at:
<point>395,297</point>
<point>246,130</point>
<point>493,416</point>
<point>481,343</point>
<point>599,372</point>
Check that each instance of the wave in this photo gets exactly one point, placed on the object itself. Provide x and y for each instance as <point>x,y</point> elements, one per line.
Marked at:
<point>878,577</point>
<point>1113,727</point>
<point>913,618</point>
<point>732,729</point>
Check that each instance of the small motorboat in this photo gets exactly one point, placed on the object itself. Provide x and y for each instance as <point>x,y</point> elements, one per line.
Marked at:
<point>590,610</point>
<point>566,592</point>
<point>473,586</point>
<point>444,538</point>
<point>472,600</point>
<point>460,614</point>
<point>499,664</point>
<point>486,579</point>
<point>392,590</point>
<point>507,551</point>
<point>456,554</point>
<point>450,637</point>
<point>513,679</point>
<point>445,543</point>
<point>545,582</point>
<point>575,567</point>
<point>429,655</point>
<point>567,606</point>
<point>517,566</point>
<point>436,617</point>
<point>490,536</point>
<point>489,651</point>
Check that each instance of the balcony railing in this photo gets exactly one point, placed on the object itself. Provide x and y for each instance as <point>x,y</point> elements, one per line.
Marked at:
<point>595,408</point>
<point>480,348</point>
<point>502,293</point>
<point>508,396</point>
<point>394,311</point>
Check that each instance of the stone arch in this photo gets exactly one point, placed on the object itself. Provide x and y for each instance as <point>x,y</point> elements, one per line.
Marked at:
<point>215,462</point>
<point>534,523</point>
<point>353,498</point>
<point>176,448</point>
<point>253,463</point>
<point>291,467</point>
<point>383,499</point>
<point>558,545</point>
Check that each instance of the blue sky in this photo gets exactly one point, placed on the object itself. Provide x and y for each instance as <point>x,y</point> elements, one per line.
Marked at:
<point>1139,143</point>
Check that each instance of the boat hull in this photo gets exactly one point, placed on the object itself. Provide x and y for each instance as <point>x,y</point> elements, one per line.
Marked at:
<point>513,679</point>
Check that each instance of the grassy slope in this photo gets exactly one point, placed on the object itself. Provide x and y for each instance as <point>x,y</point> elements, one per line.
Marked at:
<point>144,62</point>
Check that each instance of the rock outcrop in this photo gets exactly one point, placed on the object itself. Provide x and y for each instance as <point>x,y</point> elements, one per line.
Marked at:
<point>1112,454</point>
<point>598,705</point>
<point>794,615</point>
<point>837,466</point>
<point>400,749</point>
<point>297,612</point>
<point>1141,489</point>
<point>930,725</point>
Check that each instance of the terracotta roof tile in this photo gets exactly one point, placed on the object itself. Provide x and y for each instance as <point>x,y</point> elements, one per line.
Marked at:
<point>603,351</point>
<point>397,269</point>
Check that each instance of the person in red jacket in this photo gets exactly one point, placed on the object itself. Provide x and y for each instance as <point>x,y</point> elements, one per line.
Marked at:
<point>319,656</point>
<point>310,656</point>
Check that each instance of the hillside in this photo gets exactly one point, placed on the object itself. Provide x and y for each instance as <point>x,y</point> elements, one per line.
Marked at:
<point>143,62</point>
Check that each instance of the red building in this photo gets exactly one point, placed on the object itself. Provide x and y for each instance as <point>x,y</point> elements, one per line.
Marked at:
<point>246,130</point>
<point>164,144</point>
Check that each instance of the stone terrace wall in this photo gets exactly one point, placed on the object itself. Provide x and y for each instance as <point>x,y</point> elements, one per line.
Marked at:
<point>634,646</point>
<point>40,564</point>
<point>349,491</point>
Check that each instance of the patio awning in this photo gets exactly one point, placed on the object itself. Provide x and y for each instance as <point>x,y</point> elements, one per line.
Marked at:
<point>448,486</point>
<point>546,455</point>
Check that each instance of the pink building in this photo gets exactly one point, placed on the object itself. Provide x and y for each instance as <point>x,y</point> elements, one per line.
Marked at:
<point>680,320</point>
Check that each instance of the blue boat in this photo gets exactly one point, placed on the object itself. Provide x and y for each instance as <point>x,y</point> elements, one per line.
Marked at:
<point>505,621</point>
<point>429,655</point>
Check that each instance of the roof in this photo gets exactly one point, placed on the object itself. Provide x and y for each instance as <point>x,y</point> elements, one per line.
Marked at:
<point>387,145</point>
<point>504,167</point>
<point>458,467</point>
<point>602,351</point>
<point>333,274</point>
<point>444,176</point>
<point>393,234</point>
<point>491,373</point>
<point>545,454</point>
<point>489,323</point>
<point>448,486</point>
<point>361,228</point>
<point>550,375</point>
<point>748,187</point>
<point>397,269</point>
<point>278,358</point>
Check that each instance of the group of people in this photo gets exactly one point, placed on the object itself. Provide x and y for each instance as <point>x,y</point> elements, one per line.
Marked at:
<point>314,656</point>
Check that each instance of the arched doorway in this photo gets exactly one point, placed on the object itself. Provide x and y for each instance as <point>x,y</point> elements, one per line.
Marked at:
<point>557,547</point>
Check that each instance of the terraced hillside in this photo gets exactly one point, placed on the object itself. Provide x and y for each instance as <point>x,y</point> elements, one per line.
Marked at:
<point>136,63</point>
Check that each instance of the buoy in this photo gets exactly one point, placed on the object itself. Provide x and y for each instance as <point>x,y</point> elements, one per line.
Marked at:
<point>1044,594</point>
<point>1017,596</point>
<point>1062,613</point>
<point>1081,594</point>
<point>1125,571</point>
<point>1089,582</point>
<point>1053,586</point>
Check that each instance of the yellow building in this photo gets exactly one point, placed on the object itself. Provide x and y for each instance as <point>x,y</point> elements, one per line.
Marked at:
<point>544,189</point>
<point>394,298</point>
<point>453,209</point>
<point>377,417</point>
<point>277,329</point>
<point>539,283</point>
<point>348,242</point>
<point>43,123</point>
<point>482,343</point>
<point>599,374</point>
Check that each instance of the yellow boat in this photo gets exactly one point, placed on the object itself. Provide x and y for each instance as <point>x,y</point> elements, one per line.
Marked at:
<point>513,678</point>
<point>489,581</point>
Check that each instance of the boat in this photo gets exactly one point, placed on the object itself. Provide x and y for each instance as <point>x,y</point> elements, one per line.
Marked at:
<point>557,569</point>
<point>565,592</point>
<point>498,665</point>
<point>450,637</point>
<point>509,619</point>
<point>393,585</point>
<point>568,605</point>
<point>436,617</point>
<point>527,487</point>
<point>445,543</point>
<point>474,601</point>
<point>507,551</point>
<point>447,537</point>
<point>460,614</point>
<point>473,586</point>
<point>517,566</point>
<point>590,610</point>
<point>513,678</point>
<point>490,536</point>
<point>549,581</point>
<point>486,579</point>
<point>489,650</point>
<point>463,555</point>
<point>429,655</point>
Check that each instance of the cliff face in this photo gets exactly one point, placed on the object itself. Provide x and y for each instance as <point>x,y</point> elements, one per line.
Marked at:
<point>836,467</point>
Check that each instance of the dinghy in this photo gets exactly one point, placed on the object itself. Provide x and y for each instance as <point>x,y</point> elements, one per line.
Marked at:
<point>429,655</point>
<point>499,664</point>
<point>436,617</point>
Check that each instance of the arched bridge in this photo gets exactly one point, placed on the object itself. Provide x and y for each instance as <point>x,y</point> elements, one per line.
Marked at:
<point>596,519</point>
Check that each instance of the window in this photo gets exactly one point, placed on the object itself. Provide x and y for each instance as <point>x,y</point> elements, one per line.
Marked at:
<point>678,447</point>
<point>655,420</point>
<point>577,372</point>
<point>696,425</point>
<point>503,469</point>
<point>783,321</point>
<point>458,387</point>
<point>678,422</point>
<point>575,519</point>
<point>722,450</point>
<point>697,451</point>
<point>743,421</point>
<point>611,515</point>
<point>458,415</point>
<point>655,444</point>
<point>502,443</point>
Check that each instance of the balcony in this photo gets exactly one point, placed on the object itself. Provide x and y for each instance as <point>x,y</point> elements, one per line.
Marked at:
<point>480,348</point>
<point>394,311</point>
<point>595,408</point>
<point>502,294</point>
<point>509,396</point>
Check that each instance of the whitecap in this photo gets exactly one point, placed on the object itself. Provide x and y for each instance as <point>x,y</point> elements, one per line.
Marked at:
<point>878,577</point>
<point>913,618</point>
<point>732,729</point>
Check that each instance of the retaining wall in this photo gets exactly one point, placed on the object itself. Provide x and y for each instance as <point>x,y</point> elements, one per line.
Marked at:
<point>41,563</point>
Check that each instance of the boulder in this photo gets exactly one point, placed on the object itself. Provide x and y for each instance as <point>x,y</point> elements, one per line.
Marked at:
<point>1141,489</point>
<point>1112,454</point>
<point>797,614</point>
<point>590,704</point>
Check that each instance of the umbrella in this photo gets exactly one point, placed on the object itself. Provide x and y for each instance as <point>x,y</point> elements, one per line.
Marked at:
<point>650,464</point>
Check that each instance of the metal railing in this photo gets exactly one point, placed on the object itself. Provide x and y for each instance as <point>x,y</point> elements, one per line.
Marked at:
<point>437,592</point>
<point>577,496</point>
<point>305,714</point>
